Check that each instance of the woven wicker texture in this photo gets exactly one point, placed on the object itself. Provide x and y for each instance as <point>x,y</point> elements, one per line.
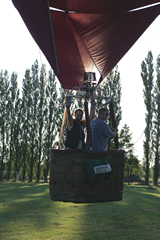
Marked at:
<point>69,181</point>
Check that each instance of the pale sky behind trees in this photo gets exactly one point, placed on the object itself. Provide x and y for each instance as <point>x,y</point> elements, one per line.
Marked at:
<point>18,51</point>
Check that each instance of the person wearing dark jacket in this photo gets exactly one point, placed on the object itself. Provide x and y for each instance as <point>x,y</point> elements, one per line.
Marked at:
<point>75,126</point>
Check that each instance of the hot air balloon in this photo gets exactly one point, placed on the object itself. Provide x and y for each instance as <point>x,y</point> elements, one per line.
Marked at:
<point>79,37</point>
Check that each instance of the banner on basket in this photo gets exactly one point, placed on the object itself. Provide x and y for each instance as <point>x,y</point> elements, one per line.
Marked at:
<point>102,169</point>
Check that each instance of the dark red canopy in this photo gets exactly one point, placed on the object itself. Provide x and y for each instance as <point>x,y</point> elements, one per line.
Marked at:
<point>87,35</point>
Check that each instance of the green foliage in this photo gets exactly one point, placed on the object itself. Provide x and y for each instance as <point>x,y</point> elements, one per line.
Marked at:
<point>113,87</point>
<point>28,124</point>
<point>10,103</point>
<point>152,103</point>
<point>131,166</point>
<point>155,134</point>
<point>4,119</point>
<point>147,77</point>
<point>42,105</point>
<point>125,140</point>
<point>50,122</point>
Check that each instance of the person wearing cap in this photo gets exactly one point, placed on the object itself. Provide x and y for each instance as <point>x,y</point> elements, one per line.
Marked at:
<point>75,126</point>
<point>100,131</point>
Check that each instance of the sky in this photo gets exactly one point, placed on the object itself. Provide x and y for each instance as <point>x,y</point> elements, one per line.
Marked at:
<point>18,51</point>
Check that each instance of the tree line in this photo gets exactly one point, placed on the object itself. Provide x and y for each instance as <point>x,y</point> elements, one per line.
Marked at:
<point>151,93</point>
<point>30,123</point>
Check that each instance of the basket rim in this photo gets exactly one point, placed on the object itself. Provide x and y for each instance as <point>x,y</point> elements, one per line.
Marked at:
<point>89,152</point>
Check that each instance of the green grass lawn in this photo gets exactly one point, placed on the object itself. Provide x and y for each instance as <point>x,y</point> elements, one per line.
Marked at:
<point>26,212</point>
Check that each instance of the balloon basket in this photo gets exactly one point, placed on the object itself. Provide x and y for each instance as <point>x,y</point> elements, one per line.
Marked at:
<point>69,181</point>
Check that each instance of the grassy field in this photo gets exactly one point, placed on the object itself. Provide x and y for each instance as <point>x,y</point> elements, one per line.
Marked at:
<point>27,213</point>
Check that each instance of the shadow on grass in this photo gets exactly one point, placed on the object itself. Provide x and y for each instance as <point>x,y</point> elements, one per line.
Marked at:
<point>135,217</point>
<point>24,203</point>
<point>26,210</point>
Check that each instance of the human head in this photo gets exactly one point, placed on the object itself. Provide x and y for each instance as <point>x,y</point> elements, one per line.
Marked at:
<point>103,113</point>
<point>78,114</point>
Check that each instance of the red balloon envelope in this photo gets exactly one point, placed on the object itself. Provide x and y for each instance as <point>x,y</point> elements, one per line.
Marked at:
<point>78,36</point>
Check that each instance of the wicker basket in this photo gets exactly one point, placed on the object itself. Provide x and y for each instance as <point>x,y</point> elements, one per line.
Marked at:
<point>69,181</point>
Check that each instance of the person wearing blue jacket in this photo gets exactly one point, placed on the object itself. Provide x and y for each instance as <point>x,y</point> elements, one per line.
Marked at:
<point>100,131</point>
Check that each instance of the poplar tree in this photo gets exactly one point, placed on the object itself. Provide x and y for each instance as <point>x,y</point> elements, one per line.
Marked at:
<point>147,77</point>
<point>33,133</point>
<point>42,112</point>
<point>4,119</point>
<point>26,122</point>
<point>156,125</point>
<point>18,134</point>
<point>50,122</point>
<point>13,101</point>
<point>131,161</point>
<point>125,141</point>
